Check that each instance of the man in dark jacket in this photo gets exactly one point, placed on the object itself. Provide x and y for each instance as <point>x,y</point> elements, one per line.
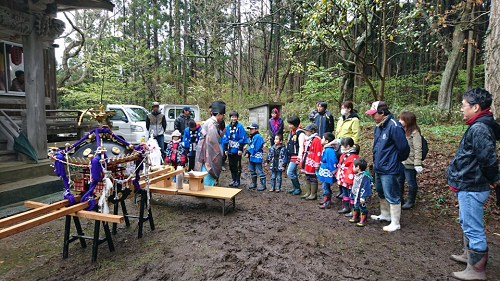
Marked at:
<point>390,148</point>
<point>181,122</point>
<point>322,118</point>
<point>470,174</point>
<point>156,124</point>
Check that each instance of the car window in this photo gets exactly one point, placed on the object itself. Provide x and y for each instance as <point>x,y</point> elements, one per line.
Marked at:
<point>175,112</point>
<point>118,115</point>
<point>137,113</point>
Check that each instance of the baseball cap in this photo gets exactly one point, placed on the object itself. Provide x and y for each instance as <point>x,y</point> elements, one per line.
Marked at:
<point>253,126</point>
<point>155,103</point>
<point>377,106</point>
<point>187,108</point>
<point>311,127</point>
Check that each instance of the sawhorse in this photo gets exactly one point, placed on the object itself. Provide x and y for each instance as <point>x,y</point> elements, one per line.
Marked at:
<point>96,240</point>
<point>144,197</point>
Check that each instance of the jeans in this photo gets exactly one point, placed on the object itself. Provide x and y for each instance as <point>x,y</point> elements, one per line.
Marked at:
<point>346,192</point>
<point>276,178</point>
<point>161,142</point>
<point>388,188</point>
<point>256,167</point>
<point>292,170</point>
<point>327,191</point>
<point>411,178</point>
<point>470,210</point>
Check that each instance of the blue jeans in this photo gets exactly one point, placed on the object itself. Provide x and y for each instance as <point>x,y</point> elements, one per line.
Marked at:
<point>161,142</point>
<point>411,178</point>
<point>388,188</point>
<point>470,210</point>
<point>327,191</point>
<point>292,170</point>
<point>276,179</point>
<point>277,175</point>
<point>256,167</point>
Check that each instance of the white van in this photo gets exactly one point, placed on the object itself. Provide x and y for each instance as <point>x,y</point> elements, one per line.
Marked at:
<point>129,122</point>
<point>172,111</point>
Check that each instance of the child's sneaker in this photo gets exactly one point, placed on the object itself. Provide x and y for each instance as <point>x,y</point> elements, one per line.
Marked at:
<point>271,190</point>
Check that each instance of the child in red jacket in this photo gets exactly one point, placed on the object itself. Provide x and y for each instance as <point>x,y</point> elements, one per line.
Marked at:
<point>311,161</point>
<point>175,151</point>
<point>345,174</point>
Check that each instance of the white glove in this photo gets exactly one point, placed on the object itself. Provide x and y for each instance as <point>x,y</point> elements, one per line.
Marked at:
<point>419,169</point>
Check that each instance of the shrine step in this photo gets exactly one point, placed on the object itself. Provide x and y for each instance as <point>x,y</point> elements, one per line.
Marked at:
<point>3,144</point>
<point>28,189</point>
<point>18,207</point>
<point>7,155</point>
<point>12,171</point>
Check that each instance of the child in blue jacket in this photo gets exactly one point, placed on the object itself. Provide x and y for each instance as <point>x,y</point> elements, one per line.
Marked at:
<point>328,169</point>
<point>361,191</point>
<point>189,142</point>
<point>233,142</point>
<point>256,155</point>
<point>278,157</point>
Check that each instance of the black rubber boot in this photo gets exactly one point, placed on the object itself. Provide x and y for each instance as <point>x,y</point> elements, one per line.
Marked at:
<point>412,194</point>
<point>296,183</point>
<point>345,207</point>
<point>262,184</point>
<point>232,176</point>
<point>254,182</point>
<point>237,178</point>
<point>326,203</point>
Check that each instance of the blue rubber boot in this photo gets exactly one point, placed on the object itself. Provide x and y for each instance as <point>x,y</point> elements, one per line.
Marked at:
<point>263,184</point>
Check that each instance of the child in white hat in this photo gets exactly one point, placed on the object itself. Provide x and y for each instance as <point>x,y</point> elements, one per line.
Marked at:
<point>175,151</point>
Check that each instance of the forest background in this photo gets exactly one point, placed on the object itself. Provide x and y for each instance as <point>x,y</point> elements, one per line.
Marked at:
<point>420,55</point>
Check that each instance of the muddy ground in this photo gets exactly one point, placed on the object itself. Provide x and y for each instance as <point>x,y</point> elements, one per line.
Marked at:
<point>271,236</point>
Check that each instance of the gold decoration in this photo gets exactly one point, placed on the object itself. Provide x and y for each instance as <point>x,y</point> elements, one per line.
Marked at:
<point>87,152</point>
<point>115,150</point>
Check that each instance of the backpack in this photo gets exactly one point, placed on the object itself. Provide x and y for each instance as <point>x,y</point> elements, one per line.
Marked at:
<point>425,148</point>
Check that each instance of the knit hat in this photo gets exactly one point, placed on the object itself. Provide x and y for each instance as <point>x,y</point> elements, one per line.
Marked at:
<point>176,133</point>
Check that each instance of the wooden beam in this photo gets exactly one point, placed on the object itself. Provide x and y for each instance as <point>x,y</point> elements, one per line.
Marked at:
<point>83,214</point>
<point>32,213</point>
<point>161,190</point>
<point>41,220</point>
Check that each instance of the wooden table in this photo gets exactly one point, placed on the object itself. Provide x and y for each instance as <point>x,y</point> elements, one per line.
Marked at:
<point>219,194</point>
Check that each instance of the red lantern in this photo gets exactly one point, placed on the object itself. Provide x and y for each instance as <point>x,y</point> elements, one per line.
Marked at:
<point>16,55</point>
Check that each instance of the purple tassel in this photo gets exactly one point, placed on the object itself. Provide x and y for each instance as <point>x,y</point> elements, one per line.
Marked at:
<point>61,172</point>
<point>96,178</point>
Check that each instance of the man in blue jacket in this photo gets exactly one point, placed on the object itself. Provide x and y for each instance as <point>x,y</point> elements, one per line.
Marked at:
<point>470,174</point>
<point>390,148</point>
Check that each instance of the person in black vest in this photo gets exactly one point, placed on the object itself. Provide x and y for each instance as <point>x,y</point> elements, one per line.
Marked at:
<point>156,124</point>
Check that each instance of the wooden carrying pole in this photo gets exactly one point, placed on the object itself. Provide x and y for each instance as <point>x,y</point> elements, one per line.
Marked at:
<point>42,219</point>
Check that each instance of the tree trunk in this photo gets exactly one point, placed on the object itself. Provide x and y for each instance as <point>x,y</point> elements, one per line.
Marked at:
<point>492,63</point>
<point>454,58</point>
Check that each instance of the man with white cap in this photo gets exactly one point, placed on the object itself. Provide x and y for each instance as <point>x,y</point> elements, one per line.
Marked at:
<point>390,148</point>
<point>156,125</point>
